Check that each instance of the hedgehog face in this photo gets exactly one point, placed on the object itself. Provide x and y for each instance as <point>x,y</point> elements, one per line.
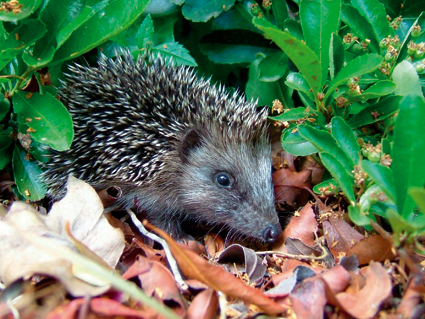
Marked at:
<point>229,184</point>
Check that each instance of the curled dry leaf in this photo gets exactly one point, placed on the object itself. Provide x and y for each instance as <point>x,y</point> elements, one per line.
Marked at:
<point>254,267</point>
<point>157,281</point>
<point>83,210</point>
<point>24,238</point>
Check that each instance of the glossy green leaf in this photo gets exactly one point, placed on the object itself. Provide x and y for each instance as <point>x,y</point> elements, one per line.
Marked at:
<point>324,141</point>
<point>25,8</point>
<point>339,173</point>
<point>294,28</point>
<point>27,33</point>
<point>344,137</point>
<point>273,67</point>
<point>336,55</point>
<point>331,187</point>
<point>375,13</point>
<point>357,217</point>
<point>360,25</point>
<point>180,54</point>
<point>299,83</point>
<point>418,195</point>
<point>145,33</point>
<point>27,176</point>
<point>292,115</point>
<point>319,19</point>
<point>381,175</point>
<point>357,67</point>
<point>400,225</point>
<point>265,92</point>
<point>301,55</point>
<point>295,144</point>
<point>106,23</point>
<point>407,80</point>
<point>4,106</point>
<point>408,150</point>
<point>280,12</point>
<point>384,108</point>
<point>204,10</point>
<point>5,149</point>
<point>57,16</point>
<point>47,116</point>
<point>380,88</point>
<point>234,19</point>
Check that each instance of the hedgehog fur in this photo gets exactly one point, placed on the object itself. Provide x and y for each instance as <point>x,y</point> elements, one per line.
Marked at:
<point>178,147</point>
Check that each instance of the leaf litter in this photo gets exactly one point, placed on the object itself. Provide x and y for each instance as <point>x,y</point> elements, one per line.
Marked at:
<point>322,267</point>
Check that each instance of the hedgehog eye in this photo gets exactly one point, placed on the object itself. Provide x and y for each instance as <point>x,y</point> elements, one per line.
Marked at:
<point>223,180</point>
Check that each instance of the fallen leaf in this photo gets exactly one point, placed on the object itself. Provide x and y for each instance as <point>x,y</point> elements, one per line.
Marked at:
<point>289,186</point>
<point>302,226</point>
<point>374,248</point>
<point>83,210</point>
<point>23,237</point>
<point>365,303</point>
<point>157,281</point>
<point>309,299</point>
<point>204,305</point>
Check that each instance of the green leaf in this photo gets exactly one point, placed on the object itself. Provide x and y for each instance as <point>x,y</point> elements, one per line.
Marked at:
<point>336,55</point>
<point>407,80</point>
<point>5,142</point>
<point>203,10</point>
<point>344,137</point>
<point>324,141</point>
<point>265,92</point>
<point>4,106</point>
<point>56,15</point>
<point>295,144</point>
<point>402,226</point>
<point>112,19</point>
<point>374,12</point>
<point>273,67</point>
<point>145,33</point>
<point>381,175</point>
<point>408,151</point>
<point>280,12</point>
<point>47,116</point>
<point>357,67</point>
<point>301,55</point>
<point>299,83</point>
<point>357,217</point>
<point>27,176</point>
<point>338,171</point>
<point>384,108</point>
<point>418,195</point>
<point>27,33</point>
<point>233,53</point>
<point>360,25</point>
<point>380,88</point>
<point>330,186</point>
<point>292,115</point>
<point>26,7</point>
<point>294,28</point>
<point>319,19</point>
<point>176,51</point>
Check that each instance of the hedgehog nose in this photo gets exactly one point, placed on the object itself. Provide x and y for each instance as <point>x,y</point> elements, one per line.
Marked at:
<point>272,232</point>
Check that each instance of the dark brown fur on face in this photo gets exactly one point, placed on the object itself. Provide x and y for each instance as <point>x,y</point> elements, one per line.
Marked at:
<point>178,146</point>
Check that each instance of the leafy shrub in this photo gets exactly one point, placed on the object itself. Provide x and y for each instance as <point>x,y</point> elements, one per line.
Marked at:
<point>348,79</point>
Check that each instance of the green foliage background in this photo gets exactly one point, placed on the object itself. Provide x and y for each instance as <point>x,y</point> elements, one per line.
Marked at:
<point>348,74</point>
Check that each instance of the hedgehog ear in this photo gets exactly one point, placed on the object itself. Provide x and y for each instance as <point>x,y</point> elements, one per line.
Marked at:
<point>190,141</point>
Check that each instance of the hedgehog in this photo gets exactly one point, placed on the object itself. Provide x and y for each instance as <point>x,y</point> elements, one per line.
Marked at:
<point>177,146</point>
